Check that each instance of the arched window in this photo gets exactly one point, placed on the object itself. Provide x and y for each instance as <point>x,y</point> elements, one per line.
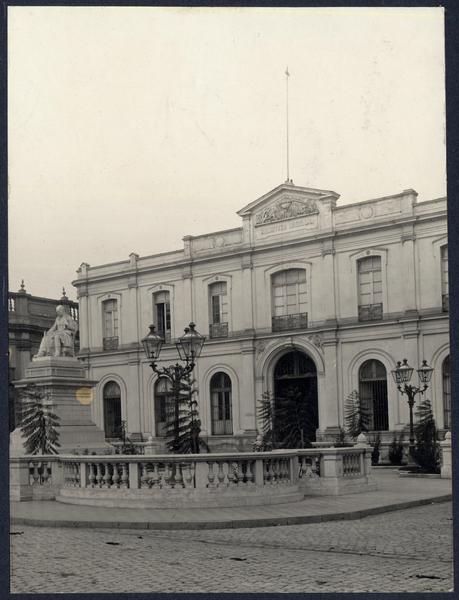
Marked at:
<point>220,404</point>
<point>218,310</point>
<point>289,300</point>
<point>112,409</point>
<point>373,393</point>
<point>444,279</point>
<point>446,376</point>
<point>370,288</point>
<point>163,404</point>
<point>162,314</point>
<point>110,324</point>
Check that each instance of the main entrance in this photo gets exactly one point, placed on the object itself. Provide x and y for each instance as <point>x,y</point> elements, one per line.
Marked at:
<point>295,401</point>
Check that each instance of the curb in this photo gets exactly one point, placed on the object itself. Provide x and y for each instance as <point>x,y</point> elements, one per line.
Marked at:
<point>228,524</point>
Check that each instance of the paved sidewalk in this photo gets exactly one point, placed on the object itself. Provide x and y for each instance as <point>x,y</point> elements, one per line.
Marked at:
<point>393,493</point>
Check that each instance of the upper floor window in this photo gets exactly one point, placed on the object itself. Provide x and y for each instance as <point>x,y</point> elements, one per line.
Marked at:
<point>218,310</point>
<point>163,404</point>
<point>373,393</point>
<point>162,314</point>
<point>289,300</point>
<point>444,278</point>
<point>112,409</point>
<point>370,288</point>
<point>110,324</point>
<point>220,403</point>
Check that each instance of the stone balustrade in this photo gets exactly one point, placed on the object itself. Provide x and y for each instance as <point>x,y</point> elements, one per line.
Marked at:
<point>201,480</point>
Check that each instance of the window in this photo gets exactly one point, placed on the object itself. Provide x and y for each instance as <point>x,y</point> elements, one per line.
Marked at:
<point>289,300</point>
<point>162,314</point>
<point>370,288</point>
<point>444,279</point>
<point>373,393</point>
<point>218,310</point>
<point>446,376</point>
<point>110,324</point>
<point>112,409</point>
<point>220,404</point>
<point>163,404</point>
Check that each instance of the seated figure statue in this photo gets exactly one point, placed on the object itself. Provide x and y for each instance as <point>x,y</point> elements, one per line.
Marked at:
<point>59,340</point>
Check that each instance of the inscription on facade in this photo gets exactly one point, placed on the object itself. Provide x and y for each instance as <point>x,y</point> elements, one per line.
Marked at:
<point>287,226</point>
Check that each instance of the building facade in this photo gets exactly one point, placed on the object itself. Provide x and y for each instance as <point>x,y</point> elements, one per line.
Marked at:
<point>305,293</point>
<point>28,318</point>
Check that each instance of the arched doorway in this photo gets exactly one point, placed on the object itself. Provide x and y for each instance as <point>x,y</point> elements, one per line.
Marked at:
<point>112,409</point>
<point>295,401</point>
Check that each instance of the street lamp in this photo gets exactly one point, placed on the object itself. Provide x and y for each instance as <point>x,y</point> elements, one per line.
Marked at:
<point>189,348</point>
<point>402,375</point>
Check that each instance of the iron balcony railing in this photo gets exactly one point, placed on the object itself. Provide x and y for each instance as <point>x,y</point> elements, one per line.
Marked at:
<point>445,302</point>
<point>218,330</point>
<point>111,343</point>
<point>371,312</point>
<point>286,322</point>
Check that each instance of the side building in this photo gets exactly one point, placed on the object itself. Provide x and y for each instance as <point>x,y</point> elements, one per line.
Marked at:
<point>28,318</point>
<point>305,295</point>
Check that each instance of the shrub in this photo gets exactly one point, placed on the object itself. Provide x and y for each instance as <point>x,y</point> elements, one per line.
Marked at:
<point>356,415</point>
<point>376,450</point>
<point>396,451</point>
<point>427,448</point>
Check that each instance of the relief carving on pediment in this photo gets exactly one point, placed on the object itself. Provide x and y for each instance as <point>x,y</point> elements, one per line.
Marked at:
<point>286,208</point>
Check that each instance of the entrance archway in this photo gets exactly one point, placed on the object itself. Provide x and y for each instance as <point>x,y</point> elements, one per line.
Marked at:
<point>295,401</point>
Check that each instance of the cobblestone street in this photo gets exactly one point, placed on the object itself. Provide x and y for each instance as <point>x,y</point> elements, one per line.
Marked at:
<point>406,550</point>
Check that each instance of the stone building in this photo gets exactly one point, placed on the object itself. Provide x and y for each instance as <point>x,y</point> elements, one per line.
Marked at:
<point>305,293</point>
<point>28,318</point>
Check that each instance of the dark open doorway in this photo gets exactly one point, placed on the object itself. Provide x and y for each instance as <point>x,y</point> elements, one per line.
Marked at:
<point>296,405</point>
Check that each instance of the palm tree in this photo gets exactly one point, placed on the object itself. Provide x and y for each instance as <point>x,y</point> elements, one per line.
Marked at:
<point>39,423</point>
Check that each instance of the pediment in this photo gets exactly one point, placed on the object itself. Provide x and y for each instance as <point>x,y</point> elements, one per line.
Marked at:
<point>287,201</point>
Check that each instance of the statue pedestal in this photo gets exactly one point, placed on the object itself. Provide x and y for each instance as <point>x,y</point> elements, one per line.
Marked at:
<point>69,394</point>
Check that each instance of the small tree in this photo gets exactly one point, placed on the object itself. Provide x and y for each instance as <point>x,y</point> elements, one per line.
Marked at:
<point>183,425</point>
<point>127,447</point>
<point>396,451</point>
<point>427,449</point>
<point>38,424</point>
<point>288,420</point>
<point>357,415</point>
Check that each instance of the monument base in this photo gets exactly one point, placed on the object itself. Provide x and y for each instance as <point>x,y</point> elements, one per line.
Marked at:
<point>69,394</point>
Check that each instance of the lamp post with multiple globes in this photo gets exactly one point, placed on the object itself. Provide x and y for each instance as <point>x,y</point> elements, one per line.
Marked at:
<point>402,375</point>
<point>189,348</point>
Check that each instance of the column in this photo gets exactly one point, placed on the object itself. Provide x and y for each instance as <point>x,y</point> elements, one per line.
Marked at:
<point>409,271</point>
<point>247,323</point>
<point>328,388</point>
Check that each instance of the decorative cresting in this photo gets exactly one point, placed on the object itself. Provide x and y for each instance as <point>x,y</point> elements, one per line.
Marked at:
<point>288,207</point>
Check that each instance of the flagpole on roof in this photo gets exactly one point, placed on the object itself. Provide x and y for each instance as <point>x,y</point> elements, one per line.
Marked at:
<point>287,75</point>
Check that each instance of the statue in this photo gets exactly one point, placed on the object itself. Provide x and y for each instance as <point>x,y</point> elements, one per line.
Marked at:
<point>60,339</point>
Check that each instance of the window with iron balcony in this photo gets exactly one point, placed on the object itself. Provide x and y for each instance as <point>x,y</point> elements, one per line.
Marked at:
<point>110,325</point>
<point>162,315</point>
<point>218,310</point>
<point>289,300</point>
<point>370,288</point>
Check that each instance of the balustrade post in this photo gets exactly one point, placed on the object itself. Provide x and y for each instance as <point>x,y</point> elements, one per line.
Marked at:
<point>20,488</point>
<point>258,472</point>
<point>83,474</point>
<point>201,472</point>
<point>446,462</point>
<point>294,469</point>
<point>332,465</point>
<point>134,480</point>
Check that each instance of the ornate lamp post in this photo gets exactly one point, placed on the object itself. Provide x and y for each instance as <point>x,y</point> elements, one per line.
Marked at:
<point>402,375</point>
<point>189,347</point>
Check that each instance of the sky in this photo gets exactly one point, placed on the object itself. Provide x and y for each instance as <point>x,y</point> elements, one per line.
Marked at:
<point>131,127</point>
